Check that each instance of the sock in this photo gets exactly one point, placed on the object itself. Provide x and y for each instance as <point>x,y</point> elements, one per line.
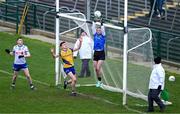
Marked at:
<point>73,91</point>
<point>31,85</point>
<point>29,80</point>
<point>99,78</point>
<point>69,82</point>
<point>13,83</point>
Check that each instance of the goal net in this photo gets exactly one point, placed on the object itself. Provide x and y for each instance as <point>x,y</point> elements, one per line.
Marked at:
<point>139,52</point>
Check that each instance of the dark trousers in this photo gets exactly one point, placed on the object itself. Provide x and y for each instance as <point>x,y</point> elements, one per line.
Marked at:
<point>151,7</point>
<point>159,6</point>
<point>85,68</point>
<point>154,96</point>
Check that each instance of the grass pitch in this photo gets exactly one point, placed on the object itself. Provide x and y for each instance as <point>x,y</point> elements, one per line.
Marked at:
<point>50,99</point>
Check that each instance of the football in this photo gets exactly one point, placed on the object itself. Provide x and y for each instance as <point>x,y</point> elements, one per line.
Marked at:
<point>97,14</point>
<point>171,78</point>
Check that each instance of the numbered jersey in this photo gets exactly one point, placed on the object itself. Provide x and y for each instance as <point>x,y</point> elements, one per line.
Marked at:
<point>20,50</point>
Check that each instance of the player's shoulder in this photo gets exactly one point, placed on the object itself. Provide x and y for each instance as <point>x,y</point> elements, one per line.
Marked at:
<point>24,46</point>
<point>71,49</point>
<point>15,46</point>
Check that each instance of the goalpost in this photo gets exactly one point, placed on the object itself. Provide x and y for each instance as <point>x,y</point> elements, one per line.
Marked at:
<point>135,42</point>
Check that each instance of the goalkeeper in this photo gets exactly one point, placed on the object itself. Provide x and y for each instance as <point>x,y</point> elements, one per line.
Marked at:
<point>20,52</point>
<point>66,55</point>
<point>99,47</point>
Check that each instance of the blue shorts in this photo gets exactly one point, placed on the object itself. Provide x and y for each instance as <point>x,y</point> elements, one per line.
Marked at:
<point>68,70</point>
<point>18,67</point>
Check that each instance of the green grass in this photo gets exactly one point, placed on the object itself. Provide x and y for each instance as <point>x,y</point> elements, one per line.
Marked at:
<point>50,99</point>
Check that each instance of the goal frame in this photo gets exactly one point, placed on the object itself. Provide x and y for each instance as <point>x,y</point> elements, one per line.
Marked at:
<point>125,46</point>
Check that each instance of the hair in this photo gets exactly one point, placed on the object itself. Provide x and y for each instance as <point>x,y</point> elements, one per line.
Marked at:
<point>18,38</point>
<point>62,43</point>
<point>82,30</point>
<point>157,60</point>
<point>98,27</point>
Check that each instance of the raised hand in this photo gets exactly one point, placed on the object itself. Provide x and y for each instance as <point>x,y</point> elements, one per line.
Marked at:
<point>52,50</point>
<point>80,39</point>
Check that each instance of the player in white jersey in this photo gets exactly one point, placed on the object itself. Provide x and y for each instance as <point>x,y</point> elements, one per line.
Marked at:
<point>20,52</point>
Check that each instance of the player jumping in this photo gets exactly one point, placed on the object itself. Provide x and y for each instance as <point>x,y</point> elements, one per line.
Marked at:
<point>99,47</point>
<point>20,52</point>
<point>66,55</point>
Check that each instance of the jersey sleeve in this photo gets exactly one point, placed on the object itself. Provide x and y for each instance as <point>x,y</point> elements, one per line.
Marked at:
<point>14,50</point>
<point>26,51</point>
<point>75,53</point>
<point>71,49</point>
<point>103,30</point>
<point>93,28</point>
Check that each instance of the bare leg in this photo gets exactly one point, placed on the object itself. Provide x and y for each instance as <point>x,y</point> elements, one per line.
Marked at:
<point>69,81</point>
<point>98,66</point>
<point>15,74</point>
<point>29,79</point>
<point>95,67</point>
<point>73,81</point>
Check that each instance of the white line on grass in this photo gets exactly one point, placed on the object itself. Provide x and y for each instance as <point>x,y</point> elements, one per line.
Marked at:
<point>82,94</point>
<point>98,98</point>
<point>46,84</point>
<point>133,110</point>
<point>22,77</point>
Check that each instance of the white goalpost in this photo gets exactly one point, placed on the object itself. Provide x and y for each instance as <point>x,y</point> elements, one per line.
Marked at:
<point>136,53</point>
<point>125,52</point>
<point>57,44</point>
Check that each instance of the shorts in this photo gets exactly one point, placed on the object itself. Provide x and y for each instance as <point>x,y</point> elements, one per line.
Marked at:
<point>99,55</point>
<point>70,69</point>
<point>18,67</point>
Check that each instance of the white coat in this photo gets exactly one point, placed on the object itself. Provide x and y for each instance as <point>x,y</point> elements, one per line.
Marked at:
<point>157,77</point>
<point>86,50</point>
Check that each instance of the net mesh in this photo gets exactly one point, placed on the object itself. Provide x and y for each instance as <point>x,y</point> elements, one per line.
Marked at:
<point>139,61</point>
<point>139,58</point>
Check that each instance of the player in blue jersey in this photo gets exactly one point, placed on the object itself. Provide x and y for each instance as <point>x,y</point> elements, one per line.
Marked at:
<point>99,50</point>
<point>20,52</point>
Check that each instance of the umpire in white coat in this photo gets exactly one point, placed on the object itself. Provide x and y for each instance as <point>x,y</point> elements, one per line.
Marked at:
<point>85,53</point>
<point>156,85</point>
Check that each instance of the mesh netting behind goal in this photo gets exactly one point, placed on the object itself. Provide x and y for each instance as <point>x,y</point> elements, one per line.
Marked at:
<point>139,56</point>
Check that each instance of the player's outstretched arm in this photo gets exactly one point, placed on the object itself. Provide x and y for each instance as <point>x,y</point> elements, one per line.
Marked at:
<point>9,52</point>
<point>80,40</point>
<point>53,53</point>
<point>93,28</point>
<point>103,28</point>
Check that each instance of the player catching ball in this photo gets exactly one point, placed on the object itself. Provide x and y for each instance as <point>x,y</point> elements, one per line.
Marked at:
<point>66,55</point>
<point>99,47</point>
<point>20,52</point>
